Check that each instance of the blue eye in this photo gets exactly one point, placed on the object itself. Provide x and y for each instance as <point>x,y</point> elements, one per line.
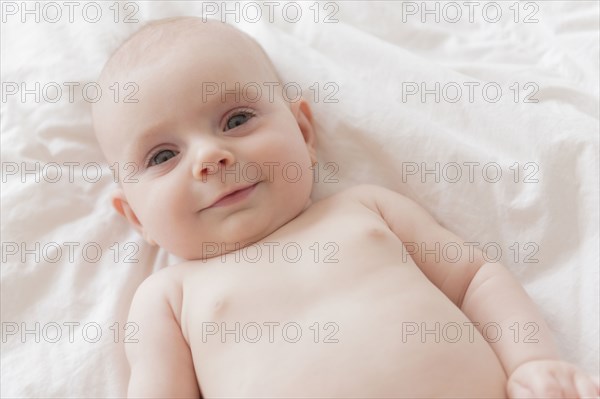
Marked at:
<point>161,156</point>
<point>238,119</point>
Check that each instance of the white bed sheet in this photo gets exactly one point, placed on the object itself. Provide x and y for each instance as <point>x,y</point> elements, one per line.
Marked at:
<point>372,134</point>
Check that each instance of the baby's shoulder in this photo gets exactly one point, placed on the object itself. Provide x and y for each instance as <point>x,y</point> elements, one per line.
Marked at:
<point>367,195</point>
<point>384,202</point>
<point>163,287</point>
<point>169,277</point>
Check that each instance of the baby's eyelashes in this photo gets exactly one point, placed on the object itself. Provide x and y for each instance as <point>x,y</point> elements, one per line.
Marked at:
<point>239,117</point>
<point>160,157</point>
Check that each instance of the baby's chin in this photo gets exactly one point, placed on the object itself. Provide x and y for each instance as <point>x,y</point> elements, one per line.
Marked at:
<point>209,249</point>
<point>213,248</point>
<point>252,228</point>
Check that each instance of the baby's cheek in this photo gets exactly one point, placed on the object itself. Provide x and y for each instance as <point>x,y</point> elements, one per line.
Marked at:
<point>297,185</point>
<point>161,210</point>
<point>173,231</point>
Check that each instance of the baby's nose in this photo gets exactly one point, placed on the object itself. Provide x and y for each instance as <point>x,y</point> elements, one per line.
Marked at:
<point>211,161</point>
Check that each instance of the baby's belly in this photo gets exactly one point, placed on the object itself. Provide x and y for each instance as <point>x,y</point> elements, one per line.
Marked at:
<point>387,332</point>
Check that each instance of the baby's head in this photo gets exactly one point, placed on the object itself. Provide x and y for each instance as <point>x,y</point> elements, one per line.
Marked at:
<point>190,139</point>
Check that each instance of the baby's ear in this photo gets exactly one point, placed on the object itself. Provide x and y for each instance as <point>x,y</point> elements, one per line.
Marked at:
<point>119,202</point>
<point>302,112</point>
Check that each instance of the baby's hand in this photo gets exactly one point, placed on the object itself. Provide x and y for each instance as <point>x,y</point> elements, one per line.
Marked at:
<point>551,379</point>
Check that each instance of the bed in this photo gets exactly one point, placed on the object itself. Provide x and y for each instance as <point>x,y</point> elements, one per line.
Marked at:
<point>486,114</point>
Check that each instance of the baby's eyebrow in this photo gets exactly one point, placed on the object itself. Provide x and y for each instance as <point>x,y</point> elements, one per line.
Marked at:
<point>136,147</point>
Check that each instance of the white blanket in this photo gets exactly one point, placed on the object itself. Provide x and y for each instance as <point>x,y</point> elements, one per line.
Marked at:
<point>70,265</point>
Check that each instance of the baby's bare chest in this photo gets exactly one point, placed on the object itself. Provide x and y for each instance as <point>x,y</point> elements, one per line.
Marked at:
<point>329,290</point>
<point>327,271</point>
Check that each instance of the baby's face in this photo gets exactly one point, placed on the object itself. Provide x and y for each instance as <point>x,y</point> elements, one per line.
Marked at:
<point>190,149</point>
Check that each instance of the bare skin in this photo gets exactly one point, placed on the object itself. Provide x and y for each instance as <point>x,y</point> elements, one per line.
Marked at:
<point>352,281</point>
<point>360,285</point>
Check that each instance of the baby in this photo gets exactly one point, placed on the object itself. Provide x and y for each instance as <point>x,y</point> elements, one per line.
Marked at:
<point>282,297</point>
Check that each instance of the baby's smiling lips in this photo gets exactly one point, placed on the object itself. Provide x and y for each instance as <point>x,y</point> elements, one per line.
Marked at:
<point>232,196</point>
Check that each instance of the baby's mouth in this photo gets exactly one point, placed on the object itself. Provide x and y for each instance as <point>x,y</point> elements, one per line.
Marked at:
<point>232,196</point>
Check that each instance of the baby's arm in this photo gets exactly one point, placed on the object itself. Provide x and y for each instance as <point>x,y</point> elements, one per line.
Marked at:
<point>161,362</point>
<point>526,348</point>
<point>485,292</point>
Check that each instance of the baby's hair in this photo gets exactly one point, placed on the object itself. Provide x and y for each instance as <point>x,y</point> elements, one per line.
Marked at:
<point>144,43</point>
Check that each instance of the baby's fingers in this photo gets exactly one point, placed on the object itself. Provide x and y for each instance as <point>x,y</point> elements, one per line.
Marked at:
<point>518,391</point>
<point>586,387</point>
<point>552,384</point>
<point>538,388</point>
